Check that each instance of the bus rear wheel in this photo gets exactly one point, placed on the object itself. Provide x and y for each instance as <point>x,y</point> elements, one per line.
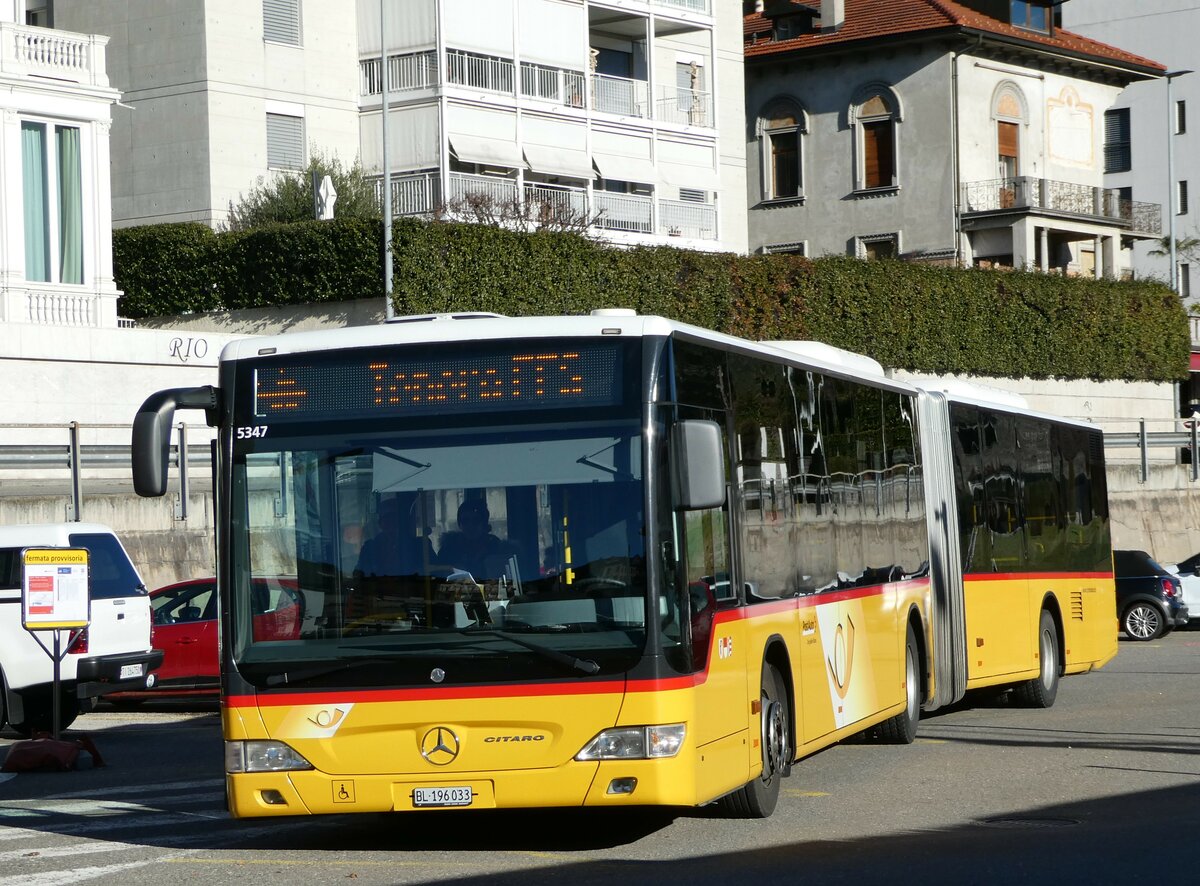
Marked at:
<point>759,798</point>
<point>1041,691</point>
<point>902,728</point>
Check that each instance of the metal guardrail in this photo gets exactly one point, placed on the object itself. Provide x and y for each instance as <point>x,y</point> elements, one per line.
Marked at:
<point>75,456</point>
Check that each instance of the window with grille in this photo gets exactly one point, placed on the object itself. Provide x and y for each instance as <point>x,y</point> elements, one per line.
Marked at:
<point>692,195</point>
<point>285,142</point>
<point>1118,154</point>
<point>281,21</point>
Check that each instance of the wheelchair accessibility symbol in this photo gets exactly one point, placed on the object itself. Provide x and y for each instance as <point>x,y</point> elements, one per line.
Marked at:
<point>343,792</point>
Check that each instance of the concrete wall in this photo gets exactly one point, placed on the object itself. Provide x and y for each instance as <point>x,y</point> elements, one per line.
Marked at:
<point>1164,30</point>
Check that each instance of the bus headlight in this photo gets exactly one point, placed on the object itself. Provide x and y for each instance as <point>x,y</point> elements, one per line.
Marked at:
<point>635,743</point>
<point>262,756</point>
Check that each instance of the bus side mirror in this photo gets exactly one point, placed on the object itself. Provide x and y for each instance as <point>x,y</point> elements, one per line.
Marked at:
<point>151,443</point>
<point>699,465</point>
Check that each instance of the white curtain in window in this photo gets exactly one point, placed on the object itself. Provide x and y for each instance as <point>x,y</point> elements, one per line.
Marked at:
<point>411,24</point>
<point>33,180</point>
<point>487,32</point>
<point>70,206</point>
<point>553,33</point>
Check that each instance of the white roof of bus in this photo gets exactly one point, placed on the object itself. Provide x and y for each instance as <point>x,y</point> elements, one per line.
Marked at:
<point>431,329</point>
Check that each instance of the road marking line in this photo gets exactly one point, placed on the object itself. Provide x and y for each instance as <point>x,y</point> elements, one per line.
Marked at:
<point>142,789</point>
<point>36,854</point>
<point>103,825</point>
<point>78,875</point>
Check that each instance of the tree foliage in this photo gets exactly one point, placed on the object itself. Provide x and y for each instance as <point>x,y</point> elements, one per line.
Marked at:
<point>288,197</point>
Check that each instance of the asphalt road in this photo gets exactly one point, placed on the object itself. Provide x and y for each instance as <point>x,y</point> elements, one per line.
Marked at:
<point>1102,788</point>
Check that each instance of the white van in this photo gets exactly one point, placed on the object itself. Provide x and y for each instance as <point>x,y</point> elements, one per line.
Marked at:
<point>113,654</point>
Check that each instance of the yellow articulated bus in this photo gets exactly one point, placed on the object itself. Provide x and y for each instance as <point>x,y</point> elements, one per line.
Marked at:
<point>614,560</point>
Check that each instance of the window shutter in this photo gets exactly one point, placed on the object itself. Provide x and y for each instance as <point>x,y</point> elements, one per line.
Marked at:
<point>285,142</point>
<point>878,155</point>
<point>1007,134</point>
<point>785,164</point>
<point>281,21</point>
<point>1118,156</point>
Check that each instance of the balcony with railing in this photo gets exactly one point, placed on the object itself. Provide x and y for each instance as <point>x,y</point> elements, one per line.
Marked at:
<point>704,7</point>
<point>1028,194</point>
<point>480,71</point>
<point>406,72</point>
<point>681,218</point>
<point>548,205</point>
<point>620,95</point>
<point>687,107</point>
<point>557,85</point>
<point>52,54</point>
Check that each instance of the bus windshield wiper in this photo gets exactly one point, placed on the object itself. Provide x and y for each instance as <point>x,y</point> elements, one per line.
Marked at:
<point>303,675</point>
<point>580,664</point>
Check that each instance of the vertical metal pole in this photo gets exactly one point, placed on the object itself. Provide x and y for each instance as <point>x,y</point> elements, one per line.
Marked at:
<point>181,507</point>
<point>1195,448</point>
<point>57,684</point>
<point>1171,186</point>
<point>388,310</point>
<point>1142,445</point>
<point>76,478</point>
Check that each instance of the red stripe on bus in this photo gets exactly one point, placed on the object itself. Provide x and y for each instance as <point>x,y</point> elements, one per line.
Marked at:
<point>1026,576</point>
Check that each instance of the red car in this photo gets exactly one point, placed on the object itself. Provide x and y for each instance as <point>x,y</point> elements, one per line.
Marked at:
<point>185,629</point>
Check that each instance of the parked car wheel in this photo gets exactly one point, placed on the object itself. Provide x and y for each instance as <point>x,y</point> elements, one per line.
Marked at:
<point>1142,621</point>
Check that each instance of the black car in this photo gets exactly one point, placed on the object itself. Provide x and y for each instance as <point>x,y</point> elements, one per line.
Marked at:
<point>1149,598</point>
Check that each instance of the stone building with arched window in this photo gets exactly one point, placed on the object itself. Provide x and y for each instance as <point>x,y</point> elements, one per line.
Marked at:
<point>968,132</point>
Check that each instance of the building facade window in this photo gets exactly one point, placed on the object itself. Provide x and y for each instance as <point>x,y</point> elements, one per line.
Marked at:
<point>780,131</point>
<point>1181,204</point>
<point>1180,117</point>
<point>1185,281</point>
<point>285,142</point>
<point>1031,15</point>
<point>1118,153</point>
<point>877,246</point>
<point>875,118</point>
<point>281,21</point>
<point>52,191</point>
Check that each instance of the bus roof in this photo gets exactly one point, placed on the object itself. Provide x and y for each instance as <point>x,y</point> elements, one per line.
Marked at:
<point>465,327</point>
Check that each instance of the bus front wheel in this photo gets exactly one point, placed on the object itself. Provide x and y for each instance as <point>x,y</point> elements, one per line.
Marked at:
<point>759,798</point>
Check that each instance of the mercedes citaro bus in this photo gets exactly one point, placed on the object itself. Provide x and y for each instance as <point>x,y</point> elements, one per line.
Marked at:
<point>618,560</point>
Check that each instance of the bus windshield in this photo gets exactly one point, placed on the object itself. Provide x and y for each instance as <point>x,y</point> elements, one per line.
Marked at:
<point>486,552</point>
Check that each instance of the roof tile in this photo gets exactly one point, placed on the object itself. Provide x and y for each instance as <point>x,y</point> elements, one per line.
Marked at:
<point>871,19</point>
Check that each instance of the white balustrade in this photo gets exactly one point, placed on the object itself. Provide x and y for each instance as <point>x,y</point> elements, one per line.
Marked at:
<point>46,52</point>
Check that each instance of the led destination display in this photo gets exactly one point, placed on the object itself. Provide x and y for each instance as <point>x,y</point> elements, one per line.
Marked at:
<point>470,381</point>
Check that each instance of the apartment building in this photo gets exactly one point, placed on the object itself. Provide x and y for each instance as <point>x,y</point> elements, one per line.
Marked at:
<point>968,132</point>
<point>218,95</point>
<point>56,237</point>
<point>1147,114</point>
<point>623,113</point>
<point>621,116</point>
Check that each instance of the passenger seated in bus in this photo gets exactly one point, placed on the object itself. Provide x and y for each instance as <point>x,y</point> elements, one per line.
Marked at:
<point>385,578</point>
<point>474,548</point>
<point>395,549</point>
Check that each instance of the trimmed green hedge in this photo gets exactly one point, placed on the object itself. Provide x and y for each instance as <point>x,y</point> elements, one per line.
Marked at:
<point>907,316</point>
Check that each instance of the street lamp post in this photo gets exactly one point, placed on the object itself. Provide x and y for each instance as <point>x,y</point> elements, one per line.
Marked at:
<point>388,309</point>
<point>1170,76</point>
